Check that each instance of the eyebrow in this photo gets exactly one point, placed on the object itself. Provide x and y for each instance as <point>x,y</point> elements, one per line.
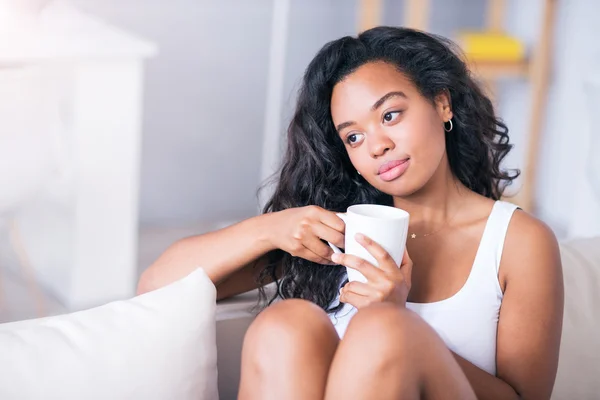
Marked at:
<point>375,106</point>
<point>385,98</point>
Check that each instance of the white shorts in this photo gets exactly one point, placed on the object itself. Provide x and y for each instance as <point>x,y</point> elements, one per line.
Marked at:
<point>341,318</point>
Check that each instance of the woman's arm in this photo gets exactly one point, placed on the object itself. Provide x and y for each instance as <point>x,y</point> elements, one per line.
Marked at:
<point>242,281</point>
<point>485,385</point>
<point>530,323</point>
<point>231,257</point>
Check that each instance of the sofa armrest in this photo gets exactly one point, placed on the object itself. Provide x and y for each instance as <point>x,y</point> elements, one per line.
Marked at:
<point>234,316</point>
<point>240,306</point>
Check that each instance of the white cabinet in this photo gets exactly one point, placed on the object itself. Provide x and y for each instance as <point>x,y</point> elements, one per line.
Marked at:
<point>81,233</point>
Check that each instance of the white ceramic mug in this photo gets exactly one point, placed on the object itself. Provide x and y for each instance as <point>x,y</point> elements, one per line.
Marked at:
<point>388,226</point>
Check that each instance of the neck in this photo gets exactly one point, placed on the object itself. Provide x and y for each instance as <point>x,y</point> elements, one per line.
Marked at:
<point>435,203</point>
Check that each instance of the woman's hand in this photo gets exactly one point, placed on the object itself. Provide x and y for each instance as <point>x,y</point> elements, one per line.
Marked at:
<point>386,283</point>
<point>300,231</point>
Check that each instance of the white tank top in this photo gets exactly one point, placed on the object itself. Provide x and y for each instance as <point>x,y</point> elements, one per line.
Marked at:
<point>467,321</point>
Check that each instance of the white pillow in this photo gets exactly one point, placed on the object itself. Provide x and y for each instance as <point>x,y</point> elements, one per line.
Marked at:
<point>160,345</point>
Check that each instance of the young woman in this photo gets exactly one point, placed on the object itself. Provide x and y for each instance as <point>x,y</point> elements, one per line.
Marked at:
<point>391,117</point>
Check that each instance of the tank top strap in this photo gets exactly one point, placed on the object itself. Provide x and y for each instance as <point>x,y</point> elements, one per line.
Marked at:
<point>494,235</point>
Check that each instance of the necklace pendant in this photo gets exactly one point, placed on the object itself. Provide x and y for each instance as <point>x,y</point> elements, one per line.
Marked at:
<point>413,236</point>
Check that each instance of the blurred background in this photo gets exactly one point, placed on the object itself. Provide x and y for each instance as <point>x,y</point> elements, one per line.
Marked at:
<point>128,124</point>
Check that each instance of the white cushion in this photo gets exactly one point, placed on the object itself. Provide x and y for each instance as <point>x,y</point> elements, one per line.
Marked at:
<point>160,345</point>
<point>579,360</point>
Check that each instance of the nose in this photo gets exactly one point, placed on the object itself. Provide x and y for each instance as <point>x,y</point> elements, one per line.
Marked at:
<point>379,144</point>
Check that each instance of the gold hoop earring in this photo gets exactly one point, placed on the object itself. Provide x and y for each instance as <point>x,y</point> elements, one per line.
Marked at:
<point>451,126</point>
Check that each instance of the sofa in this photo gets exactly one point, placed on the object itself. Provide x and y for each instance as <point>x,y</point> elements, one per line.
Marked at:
<point>165,344</point>
<point>578,375</point>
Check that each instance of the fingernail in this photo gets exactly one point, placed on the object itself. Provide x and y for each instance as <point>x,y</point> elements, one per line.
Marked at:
<point>335,257</point>
<point>360,236</point>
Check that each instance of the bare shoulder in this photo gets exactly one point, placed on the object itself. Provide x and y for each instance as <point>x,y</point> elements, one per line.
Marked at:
<point>528,233</point>
<point>530,247</point>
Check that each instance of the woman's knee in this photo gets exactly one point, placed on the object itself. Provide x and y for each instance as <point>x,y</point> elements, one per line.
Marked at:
<point>296,324</point>
<point>387,328</point>
<point>380,339</point>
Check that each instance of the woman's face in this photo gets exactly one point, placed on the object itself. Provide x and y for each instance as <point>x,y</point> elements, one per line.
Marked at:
<point>394,136</point>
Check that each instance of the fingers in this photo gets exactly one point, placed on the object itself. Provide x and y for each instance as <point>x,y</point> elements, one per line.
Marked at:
<point>318,249</point>
<point>385,261</point>
<point>324,224</point>
<point>330,219</point>
<point>354,299</point>
<point>308,254</point>
<point>311,256</point>
<point>362,289</point>
<point>406,268</point>
<point>375,292</point>
<point>329,234</point>
<point>406,258</point>
<point>370,271</point>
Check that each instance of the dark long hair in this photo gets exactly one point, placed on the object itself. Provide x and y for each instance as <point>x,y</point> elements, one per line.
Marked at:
<point>316,168</point>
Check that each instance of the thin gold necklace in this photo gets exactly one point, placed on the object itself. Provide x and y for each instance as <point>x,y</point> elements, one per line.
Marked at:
<point>415,236</point>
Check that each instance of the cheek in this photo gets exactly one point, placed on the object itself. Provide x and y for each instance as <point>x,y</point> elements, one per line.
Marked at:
<point>436,144</point>
<point>360,159</point>
<point>430,142</point>
<point>438,140</point>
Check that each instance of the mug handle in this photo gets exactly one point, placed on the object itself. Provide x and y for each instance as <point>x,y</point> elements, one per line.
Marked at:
<point>333,246</point>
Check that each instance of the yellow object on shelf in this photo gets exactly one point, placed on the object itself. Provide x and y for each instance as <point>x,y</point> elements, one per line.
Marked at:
<point>496,47</point>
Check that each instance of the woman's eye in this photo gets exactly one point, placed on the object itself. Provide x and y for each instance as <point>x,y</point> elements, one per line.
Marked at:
<point>390,116</point>
<point>354,138</point>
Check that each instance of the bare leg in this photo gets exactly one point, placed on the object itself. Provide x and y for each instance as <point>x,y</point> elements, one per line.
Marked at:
<point>287,353</point>
<point>391,353</point>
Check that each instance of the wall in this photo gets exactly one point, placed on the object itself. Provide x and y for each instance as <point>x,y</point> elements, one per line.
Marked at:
<point>565,199</point>
<point>312,23</point>
<point>204,104</point>
<point>565,192</point>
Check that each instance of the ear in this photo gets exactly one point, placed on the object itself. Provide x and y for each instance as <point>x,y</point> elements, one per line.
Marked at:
<point>443,105</point>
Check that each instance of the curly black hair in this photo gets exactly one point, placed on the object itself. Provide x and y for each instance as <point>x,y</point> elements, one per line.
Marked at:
<point>316,169</point>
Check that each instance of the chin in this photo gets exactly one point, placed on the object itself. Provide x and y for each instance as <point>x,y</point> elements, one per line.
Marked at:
<point>401,187</point>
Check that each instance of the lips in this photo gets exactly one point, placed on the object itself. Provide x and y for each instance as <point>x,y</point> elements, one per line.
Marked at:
<point>390,165</point>
<point>392,170</point>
